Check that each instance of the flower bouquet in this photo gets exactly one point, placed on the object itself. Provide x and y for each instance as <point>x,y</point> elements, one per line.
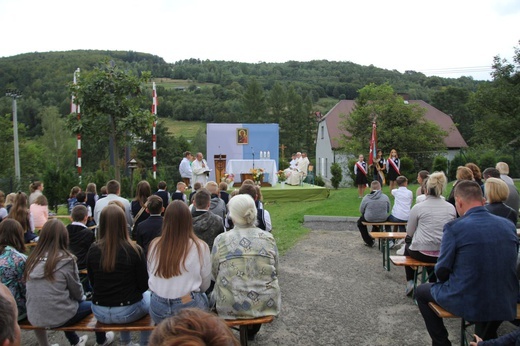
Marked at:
<point>281,176</point>
<point>258,174</point>
<point>229,177</point>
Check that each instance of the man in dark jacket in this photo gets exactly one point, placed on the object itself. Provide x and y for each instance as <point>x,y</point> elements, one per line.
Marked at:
<point>80,237</point>
<point>206,225</point>
<point>476,270</point>
<point>374,208</point>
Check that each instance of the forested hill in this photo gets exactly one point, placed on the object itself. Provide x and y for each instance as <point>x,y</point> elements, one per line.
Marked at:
<point>214,88</point>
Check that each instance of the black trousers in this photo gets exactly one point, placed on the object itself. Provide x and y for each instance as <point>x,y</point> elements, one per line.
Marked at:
<point>434,323</point>
<point>364,231</point>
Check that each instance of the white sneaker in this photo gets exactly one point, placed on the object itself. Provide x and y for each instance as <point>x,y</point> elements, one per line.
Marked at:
<point>401,250</point>
<point>399,242</point>
<point>409,288</point>
<point>82,341</point>
<point>109,339</point>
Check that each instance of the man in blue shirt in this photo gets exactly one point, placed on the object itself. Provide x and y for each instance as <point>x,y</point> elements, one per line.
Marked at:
<point>476,270</point>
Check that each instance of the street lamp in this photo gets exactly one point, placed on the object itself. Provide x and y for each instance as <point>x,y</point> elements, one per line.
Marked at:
<point>15,94</point>
<point>131,165</point>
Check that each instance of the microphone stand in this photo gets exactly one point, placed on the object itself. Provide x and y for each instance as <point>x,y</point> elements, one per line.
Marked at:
<point>252,150</point>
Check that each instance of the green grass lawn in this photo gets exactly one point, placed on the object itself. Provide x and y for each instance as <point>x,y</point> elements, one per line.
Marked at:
<point>188,129</point>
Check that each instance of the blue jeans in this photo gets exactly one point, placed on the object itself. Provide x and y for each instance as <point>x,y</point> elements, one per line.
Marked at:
<point>84,309</point>
<point>162,308</point>
<point>123,315</point>
<point>392,218</point>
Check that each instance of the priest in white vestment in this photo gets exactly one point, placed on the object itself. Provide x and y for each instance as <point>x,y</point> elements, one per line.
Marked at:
<point>200,170</point>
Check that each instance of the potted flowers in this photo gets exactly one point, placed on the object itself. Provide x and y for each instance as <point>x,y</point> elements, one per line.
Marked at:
<point>229,177</point>
<point>281,177</point>
<point>258,175</point>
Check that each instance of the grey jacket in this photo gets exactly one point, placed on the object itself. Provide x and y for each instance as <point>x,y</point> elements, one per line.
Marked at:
<point>51,304</point>
<point>218,207</point>
<point>375,206</point>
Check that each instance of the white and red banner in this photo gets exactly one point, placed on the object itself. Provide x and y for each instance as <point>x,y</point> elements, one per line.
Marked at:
<point>75,108</point>
<point>155,103</point>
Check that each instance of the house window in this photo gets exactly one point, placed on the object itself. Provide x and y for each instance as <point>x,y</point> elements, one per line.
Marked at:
<point>322,132</point>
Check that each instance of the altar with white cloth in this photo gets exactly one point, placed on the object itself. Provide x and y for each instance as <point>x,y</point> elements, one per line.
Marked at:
<point>244,166</point>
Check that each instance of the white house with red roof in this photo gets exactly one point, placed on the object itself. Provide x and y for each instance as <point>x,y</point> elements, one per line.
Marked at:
<point>329,151</point>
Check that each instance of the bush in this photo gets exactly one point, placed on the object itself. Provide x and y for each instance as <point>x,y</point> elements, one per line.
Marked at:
<point>408,169</point>
<point>350,164</point>
<point>440,164</point>
<point>337,176</point>
<point>318,180</point>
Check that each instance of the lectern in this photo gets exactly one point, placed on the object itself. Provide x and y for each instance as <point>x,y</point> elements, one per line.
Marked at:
<point>220,167</point>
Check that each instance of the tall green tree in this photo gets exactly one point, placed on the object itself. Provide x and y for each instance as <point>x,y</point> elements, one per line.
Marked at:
<point>254,102</point>
<point>60,148</point>
<point>498,106</point>
<point>453,101</point>
<point>399,125</point>
<point>111,111</point>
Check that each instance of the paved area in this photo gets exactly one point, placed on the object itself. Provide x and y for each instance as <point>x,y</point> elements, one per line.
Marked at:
<point>336,292</point>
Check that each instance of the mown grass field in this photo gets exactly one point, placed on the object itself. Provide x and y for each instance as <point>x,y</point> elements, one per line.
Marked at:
<point>188,129</point>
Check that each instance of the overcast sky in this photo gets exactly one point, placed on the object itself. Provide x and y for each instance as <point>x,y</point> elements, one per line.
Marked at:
<point>433,37</point>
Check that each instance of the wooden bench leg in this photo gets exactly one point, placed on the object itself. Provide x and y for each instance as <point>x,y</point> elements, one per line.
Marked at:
<point>243,335</point>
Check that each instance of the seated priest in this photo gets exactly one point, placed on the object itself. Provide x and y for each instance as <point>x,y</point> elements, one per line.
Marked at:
<point>296,175</point>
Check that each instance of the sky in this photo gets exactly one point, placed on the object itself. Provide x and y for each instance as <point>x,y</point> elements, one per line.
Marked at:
<point>444,38</point>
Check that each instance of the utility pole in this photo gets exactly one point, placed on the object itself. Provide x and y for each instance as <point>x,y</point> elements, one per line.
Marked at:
<point>15,94</point>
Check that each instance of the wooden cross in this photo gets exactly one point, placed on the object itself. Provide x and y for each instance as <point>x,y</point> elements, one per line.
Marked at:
<point>283,147</point>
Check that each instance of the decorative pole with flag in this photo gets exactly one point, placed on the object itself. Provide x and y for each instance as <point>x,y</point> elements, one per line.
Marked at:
<point>75,108</point>
<point>155,103</point>
<point>373,145</point>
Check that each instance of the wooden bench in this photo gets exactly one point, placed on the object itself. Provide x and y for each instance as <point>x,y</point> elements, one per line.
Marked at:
<point>442,313</point>
<point>385,238</point>
<point>394,225</point>
<point>90,324</point>
<point>417,266</point>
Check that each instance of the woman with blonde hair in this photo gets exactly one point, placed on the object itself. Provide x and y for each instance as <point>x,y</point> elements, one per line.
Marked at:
<point>497,191</point>
<point>138,205</point>
<point>425,226</point>
<point>393,168</point>
<point>251,252</point>
<point>20,212</point>
<point>178,265</point>
<point>117,273</point>
<point>55,296</point>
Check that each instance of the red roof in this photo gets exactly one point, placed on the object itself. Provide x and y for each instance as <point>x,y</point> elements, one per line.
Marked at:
<point>453,140</point>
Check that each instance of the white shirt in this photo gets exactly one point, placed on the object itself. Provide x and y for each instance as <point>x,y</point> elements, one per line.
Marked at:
<point>196,277</point>
<point>402,203</point>
<point>103,202</point>
<point>185,168</point>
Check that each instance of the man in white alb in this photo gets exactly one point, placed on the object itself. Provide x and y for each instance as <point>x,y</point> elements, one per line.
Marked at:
<point>200,170</point>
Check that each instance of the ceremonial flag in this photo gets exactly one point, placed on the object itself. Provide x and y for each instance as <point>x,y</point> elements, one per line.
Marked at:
<point>373,144</point>
<point>154,138</point>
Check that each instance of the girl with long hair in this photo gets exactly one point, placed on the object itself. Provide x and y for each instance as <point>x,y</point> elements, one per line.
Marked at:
<point>393,168</point>
<point>142,193</point>
<point>117,273</point>
<point>52,282</point>
<point>178,265</point>
<point>12,262</point>
<point>20,212</point>
<point>92,196</point>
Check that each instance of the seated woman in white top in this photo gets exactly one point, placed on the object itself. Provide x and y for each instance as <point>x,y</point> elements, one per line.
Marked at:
<point>426,224</point>
<point>179,266</point>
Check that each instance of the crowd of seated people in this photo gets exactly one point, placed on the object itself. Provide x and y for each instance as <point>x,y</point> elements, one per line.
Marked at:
<point>166,271</point>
